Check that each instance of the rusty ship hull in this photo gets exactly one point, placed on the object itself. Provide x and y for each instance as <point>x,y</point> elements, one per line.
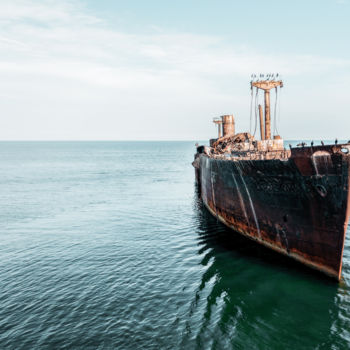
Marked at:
<point>297,205</point>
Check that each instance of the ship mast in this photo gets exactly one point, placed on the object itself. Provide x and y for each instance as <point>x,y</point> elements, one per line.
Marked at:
<point>266,85</point>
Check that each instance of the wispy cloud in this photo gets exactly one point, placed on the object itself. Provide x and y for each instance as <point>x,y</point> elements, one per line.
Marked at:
<point>342,2</point>
<point>81,60</point>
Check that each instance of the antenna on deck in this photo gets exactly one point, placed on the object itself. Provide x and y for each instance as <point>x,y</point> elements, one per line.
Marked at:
<point>266,84</point>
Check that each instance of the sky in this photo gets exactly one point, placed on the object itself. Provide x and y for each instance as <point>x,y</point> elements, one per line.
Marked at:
<point>162,70</point>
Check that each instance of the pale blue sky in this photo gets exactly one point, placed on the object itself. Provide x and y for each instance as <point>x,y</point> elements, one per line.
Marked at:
<point>312,26</point>
<point>118,70</point>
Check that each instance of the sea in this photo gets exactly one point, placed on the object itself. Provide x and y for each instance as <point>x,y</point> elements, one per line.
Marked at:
<point>106,245</point>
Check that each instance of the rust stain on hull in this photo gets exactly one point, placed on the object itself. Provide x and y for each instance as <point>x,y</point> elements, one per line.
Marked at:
<point>298,206</point>
<point>296,256</point>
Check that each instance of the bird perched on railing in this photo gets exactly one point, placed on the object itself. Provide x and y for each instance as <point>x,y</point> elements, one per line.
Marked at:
<point>312,143</point>
<point>336,141</point>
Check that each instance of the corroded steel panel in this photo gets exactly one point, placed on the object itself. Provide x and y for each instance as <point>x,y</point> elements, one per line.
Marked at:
<point>298,206</point>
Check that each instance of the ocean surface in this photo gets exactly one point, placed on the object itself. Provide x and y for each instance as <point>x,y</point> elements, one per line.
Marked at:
<point>105,245</point>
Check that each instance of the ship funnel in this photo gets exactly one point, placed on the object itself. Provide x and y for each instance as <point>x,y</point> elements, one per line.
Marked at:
<point>228,125</point>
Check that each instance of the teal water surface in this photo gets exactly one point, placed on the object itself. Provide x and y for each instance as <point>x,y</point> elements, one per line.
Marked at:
<point>105,245</point>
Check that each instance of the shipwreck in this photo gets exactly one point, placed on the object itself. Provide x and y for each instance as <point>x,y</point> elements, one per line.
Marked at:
<point>294,200</point>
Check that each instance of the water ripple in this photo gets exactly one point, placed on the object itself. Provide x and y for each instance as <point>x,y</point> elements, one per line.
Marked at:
<point>106,246</point>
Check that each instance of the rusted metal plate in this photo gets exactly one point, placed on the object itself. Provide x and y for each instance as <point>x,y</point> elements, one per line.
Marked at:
<point>297,205</point>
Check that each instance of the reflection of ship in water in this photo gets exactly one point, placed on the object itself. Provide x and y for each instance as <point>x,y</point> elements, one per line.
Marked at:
<point>247,299</point>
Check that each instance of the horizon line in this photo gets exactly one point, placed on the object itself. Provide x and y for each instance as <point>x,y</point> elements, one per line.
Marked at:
<point>147,140</point>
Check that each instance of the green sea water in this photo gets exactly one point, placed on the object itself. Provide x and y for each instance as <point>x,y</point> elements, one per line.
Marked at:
<point>106,245</point>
